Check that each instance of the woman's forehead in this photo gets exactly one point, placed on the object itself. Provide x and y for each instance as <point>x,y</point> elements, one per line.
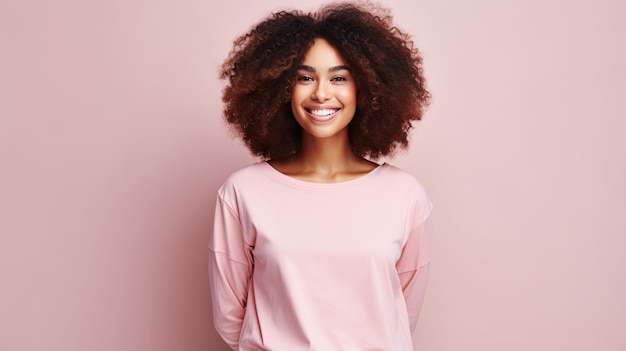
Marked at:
<point>321,55</point>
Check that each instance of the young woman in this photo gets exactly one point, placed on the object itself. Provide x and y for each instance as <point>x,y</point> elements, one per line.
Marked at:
<point>317,247</point>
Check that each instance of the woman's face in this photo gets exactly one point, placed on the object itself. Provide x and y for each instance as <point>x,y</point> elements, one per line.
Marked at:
<point>323,99</point>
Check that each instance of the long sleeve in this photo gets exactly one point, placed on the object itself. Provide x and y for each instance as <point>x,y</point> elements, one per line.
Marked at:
<point>413,267</point>
<point>230,266</point>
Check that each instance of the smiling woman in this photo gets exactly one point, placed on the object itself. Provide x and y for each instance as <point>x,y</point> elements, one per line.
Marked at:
<point>318,247</point>
<point>386,68</point>
<point>323,100</point>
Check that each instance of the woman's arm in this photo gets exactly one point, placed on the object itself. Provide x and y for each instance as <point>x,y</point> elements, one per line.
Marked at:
<point>230,266</point>
<point>413,267</point>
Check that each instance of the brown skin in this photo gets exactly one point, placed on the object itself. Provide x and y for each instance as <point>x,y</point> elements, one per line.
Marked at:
<point>263,70</point>
<point>341,171</point>
<point>325,153</point>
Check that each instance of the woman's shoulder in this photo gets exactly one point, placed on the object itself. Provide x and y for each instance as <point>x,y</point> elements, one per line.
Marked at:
<point>244,177</point>
<point>248,172</point>
<point>406,185</point>
<point>250,182</point>
<point>398,177</point>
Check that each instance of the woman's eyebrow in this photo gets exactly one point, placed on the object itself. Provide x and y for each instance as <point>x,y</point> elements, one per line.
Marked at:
<point>332,69</point>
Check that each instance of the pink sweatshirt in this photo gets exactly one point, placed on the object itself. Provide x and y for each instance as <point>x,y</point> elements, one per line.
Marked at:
<point>296,265</point>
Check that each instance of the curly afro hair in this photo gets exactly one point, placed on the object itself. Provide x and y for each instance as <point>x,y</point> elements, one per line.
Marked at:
<point>261,71</point>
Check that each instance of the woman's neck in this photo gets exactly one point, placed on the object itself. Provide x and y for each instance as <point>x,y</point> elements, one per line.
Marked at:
<point>325,160</point>
<point>327,155</point>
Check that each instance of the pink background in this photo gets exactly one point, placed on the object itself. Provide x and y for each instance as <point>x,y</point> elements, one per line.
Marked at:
<point>112,147</point>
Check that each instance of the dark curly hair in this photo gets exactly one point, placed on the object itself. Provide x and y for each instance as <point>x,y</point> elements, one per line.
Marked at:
<point>387,69</point>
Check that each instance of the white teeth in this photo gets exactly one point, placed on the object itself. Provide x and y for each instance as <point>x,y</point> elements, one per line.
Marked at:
<point>323,112</point>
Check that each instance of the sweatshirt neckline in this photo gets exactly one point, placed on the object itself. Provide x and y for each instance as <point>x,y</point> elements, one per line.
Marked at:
<point>283,178</point>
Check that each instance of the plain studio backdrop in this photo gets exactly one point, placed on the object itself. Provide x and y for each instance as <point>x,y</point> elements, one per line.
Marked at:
<point>112,147</point>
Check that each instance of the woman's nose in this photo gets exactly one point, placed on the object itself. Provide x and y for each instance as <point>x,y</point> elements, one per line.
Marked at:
<point>321,92</point>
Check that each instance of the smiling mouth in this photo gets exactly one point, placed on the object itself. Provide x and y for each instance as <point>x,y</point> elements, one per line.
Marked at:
<point>322,112</point>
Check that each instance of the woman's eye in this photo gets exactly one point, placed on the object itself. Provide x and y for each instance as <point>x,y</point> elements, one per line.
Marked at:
<point>305,78</point>
<point>339,79</point>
